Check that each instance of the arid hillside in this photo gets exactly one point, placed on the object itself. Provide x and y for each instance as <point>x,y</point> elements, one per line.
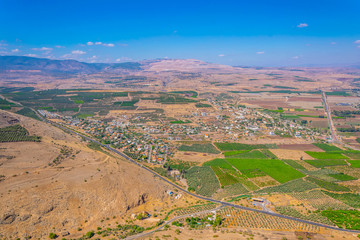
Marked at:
<point>61,185</point>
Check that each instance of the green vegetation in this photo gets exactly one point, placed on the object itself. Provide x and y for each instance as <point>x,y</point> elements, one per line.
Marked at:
<point>338,93</point>
<point>298,185</point>
<point>241,146</point>
<point>350,199</point>
<point>175,99</point>
<point>232,153</point>
<point>203,180</point>
<point>84,115</point>
<point>327,147</point>
<point>352,154</point>
<point>254,154</point>
<point>52,235</point>
<point>325,163</point>
<point>349,219</point>
<point>342,177</point>
<point>180,122</point>
<point>94,146</point>
<point>218,162</point>
<point>326,155</point>
<point>203,148</point>
<point>354,163</point>
<point>328,185</point>
<point>273,167</point>
<point>192,94</point>
<point>16,133</point>
<point>295,165</point>
<point>224,178</point>
<point>252,173</point>
<point>28,113</point>
<point>202,105</point>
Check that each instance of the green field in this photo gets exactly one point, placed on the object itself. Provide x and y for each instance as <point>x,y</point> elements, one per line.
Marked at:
<point>342,177</point>
<point>273,167</point>
<point>202,180</point>
<point>16,133</point>
<point>202,105</point>
<point>354,163</point>
<point>241,146</point>
<point>218,162</point>
<point>298,185</point>
<point>326,155</point>
<point>196,147</point>
<point>295,165</point>
<point>252,173</point>
<point>224,178</point>
<point>349,219</point>
<point>353,154</point>
<point>254,154</point>
<point>350,199</point>
<point>28,113</point>
<point>325,163</point>
<point>327,147</point>
<point>328,185</point>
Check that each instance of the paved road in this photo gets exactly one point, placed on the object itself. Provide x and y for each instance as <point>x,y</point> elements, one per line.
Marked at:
<point>331,123</point>
<point>190,193</point>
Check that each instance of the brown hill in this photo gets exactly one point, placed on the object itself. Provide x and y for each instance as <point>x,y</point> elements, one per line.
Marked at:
<point>60,184</point>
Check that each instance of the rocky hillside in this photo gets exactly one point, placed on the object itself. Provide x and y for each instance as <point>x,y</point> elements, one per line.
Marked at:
<point>61,185</point>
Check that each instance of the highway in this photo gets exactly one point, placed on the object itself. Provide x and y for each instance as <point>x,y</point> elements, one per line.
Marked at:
<point>190,193</point>
<point>328,114</point>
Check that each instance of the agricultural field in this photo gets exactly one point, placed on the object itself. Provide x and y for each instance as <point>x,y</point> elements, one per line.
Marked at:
<point>253,154</point>
<point>219,162</point>
<point>325,163</point>
<point>326,155</point>
<point>349,219</point>
<point>224,177</point>
<point>241,146</point>
<point>202,180</point>
<point>298,185</point>
<point>320,200</point>
<point>272,167</point>
<point>196,147</point>
<point>327,147</point>
<point>328,185</point>
<point>354,163</point>
<point>350,199</point>
<point>16,133</point>
<point>246,219</point>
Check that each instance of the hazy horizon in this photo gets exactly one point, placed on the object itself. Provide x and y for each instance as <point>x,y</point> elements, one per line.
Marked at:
<point>307,33</point>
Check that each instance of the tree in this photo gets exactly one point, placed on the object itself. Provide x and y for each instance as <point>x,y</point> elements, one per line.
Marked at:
<point>52,235</point>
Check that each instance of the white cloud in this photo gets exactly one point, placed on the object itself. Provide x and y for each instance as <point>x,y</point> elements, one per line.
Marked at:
<point>357,42</point>
<point>124,59</point>
<point>42,49</point>
<point>260,52</point>
<point>89,43</point>
<point>30,55</point>
<point>108,45</point>
<point>221,55</point>
<point>98,43</point>
<point>15,50</point>
<point>78,52</point>
<point>302,25</point>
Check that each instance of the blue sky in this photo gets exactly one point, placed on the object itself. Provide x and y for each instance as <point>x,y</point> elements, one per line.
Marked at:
<point>252,33</point>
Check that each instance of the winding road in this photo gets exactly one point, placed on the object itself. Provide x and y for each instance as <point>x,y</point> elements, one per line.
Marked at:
<point>225,204</point>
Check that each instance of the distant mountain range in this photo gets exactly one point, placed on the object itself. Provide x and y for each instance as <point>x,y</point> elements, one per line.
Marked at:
<point>8,63</point>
